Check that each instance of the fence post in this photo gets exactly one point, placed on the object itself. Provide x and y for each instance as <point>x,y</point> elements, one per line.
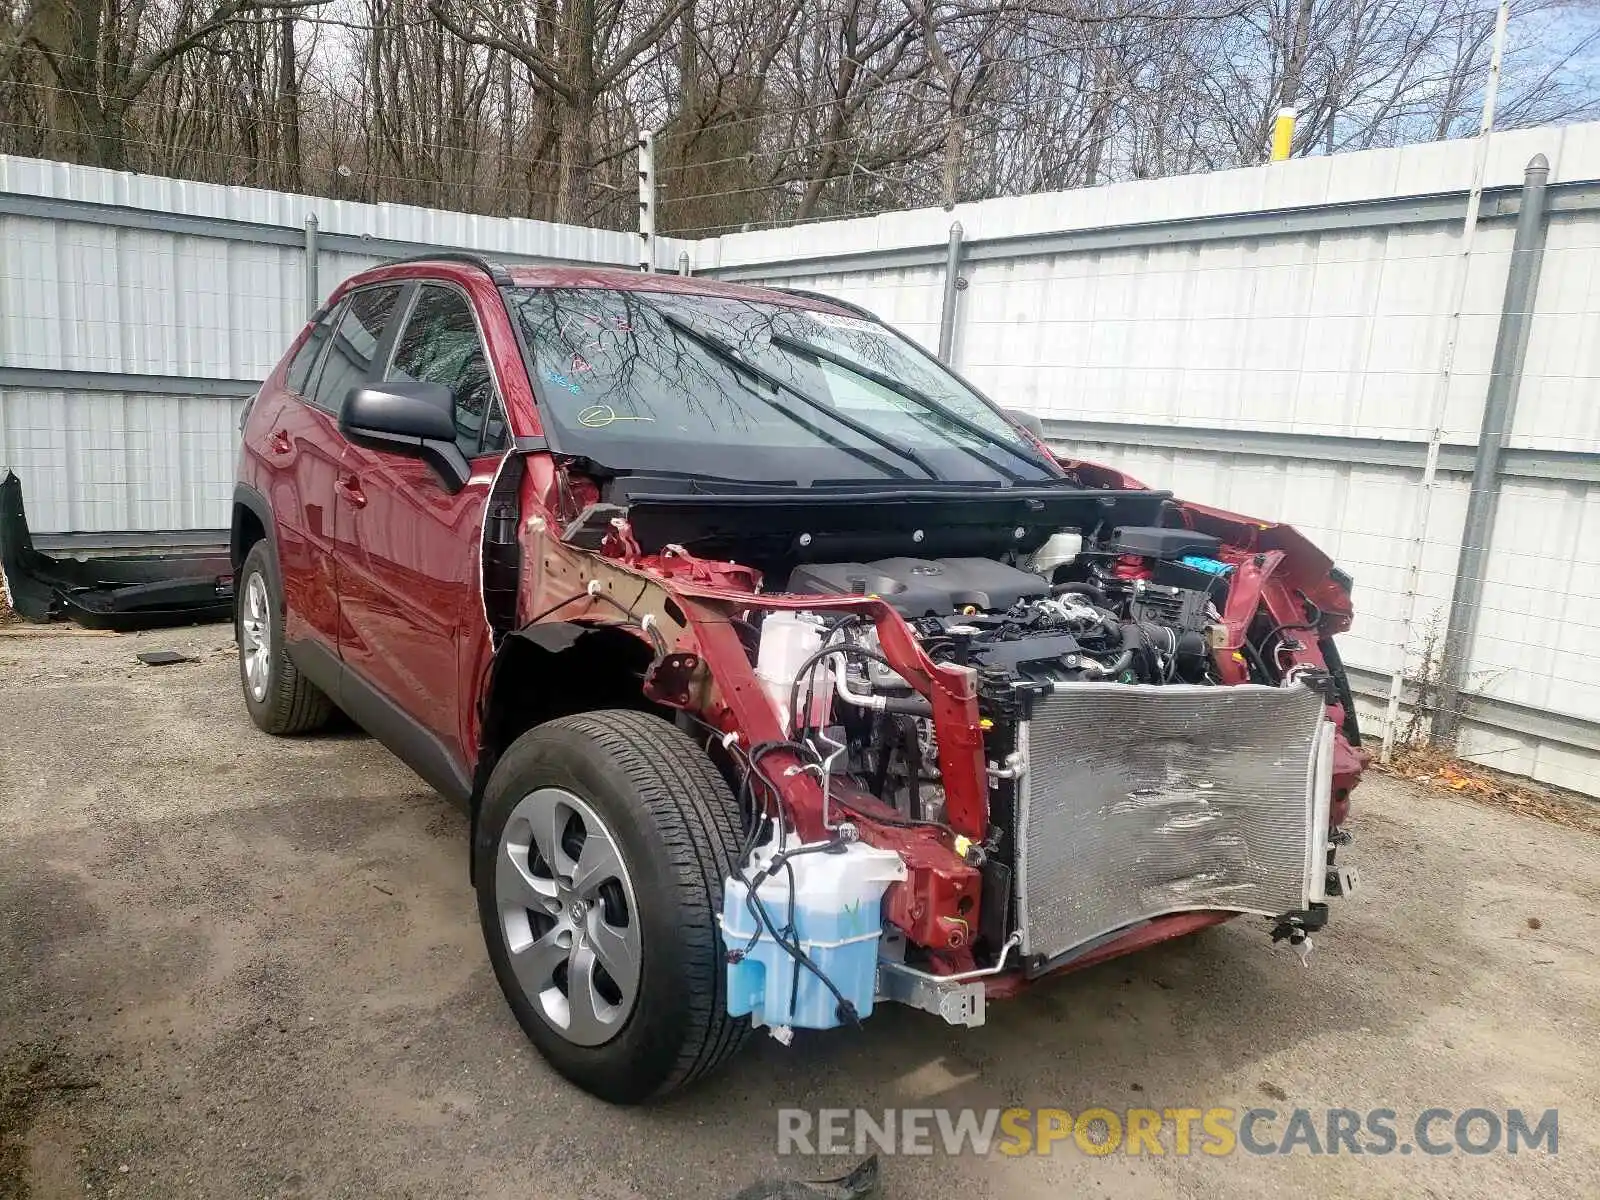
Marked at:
<point>683,262</point>
<point>1441,390</point>
<point>313,288</point>
<point>1499,411</point>
<point>647,200</point>
<point>952,287</point>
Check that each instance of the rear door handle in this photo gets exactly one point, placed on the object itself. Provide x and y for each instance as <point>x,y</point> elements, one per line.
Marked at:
<point>351,487</point>
<point>280,444</point>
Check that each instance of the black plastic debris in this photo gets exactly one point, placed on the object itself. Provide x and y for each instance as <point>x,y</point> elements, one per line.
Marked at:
<point>860,1184</point>
<point>122,593</point>
<point>162,658</point>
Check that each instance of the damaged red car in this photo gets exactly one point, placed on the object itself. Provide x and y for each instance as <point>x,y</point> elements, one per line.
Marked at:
<point>785,677</point>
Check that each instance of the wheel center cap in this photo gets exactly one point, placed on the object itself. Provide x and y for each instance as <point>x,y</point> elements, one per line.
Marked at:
<point>579,910</point>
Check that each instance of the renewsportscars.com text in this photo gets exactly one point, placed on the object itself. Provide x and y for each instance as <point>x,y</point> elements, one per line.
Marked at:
<point>1217,1132</point>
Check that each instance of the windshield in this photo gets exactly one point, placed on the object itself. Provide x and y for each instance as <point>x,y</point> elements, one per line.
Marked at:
<point>733,389</point>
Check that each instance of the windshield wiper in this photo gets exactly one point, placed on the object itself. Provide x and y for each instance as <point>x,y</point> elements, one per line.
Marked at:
<point>701,477</point>
<point>731,355</point>
<point>937,408</point>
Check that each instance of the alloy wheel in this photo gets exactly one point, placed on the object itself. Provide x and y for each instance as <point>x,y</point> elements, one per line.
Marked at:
<point>568,914</point>
<point>255,638</point>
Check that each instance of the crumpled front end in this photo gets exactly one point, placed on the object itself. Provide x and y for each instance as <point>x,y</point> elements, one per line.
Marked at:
<point>1082,719</point>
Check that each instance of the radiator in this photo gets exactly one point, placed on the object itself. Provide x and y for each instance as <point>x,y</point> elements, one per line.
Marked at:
<point>1136,801</point>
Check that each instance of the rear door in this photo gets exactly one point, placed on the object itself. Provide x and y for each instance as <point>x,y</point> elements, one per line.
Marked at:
<point>409,596</point>
<point>278,426</point>
<point>308,445</point>
<point>298,449</point>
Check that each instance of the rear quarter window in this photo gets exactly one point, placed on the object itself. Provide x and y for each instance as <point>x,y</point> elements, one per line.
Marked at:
<point>353,346</point>
<point>305,358</point>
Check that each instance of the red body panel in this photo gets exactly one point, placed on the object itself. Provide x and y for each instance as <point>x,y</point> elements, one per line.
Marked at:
<point>290,454</point>
<point>410,617</point>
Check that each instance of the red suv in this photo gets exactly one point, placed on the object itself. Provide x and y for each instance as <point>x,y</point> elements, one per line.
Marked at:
<point>782,674</point>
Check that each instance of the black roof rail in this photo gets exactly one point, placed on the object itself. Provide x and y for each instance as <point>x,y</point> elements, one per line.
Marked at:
<point>847,305</point>
<point>495,271</point>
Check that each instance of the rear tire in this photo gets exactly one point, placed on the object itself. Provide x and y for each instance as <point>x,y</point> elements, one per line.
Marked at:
<point>279,699</point>
<point>634,793</point>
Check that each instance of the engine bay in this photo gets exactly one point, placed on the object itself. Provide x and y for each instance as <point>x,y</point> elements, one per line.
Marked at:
<point>1148,592</point>
<point>1141,607</point>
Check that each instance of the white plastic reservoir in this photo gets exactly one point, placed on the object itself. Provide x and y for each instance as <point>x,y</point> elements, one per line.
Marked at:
<point>788,639</point>
<point>1060,549</point>
<point>836,898</point>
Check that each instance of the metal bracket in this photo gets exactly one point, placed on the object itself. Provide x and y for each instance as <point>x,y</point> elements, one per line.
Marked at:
<point>1343,881</point>
<point>1016,767</point>
<point>956,1003</point>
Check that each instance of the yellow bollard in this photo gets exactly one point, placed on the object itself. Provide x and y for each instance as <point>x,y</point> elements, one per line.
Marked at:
<point>1282,134</point>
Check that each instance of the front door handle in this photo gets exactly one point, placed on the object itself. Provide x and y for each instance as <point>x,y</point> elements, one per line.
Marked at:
<point>280,444</point>
<point>351,487</point>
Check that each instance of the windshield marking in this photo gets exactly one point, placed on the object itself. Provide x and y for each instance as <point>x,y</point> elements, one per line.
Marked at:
<point>551,375</point>
<point>598,416</point>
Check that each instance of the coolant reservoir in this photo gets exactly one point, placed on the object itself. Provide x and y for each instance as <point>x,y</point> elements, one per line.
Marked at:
<point>1061,549</point>
<point>837,902</point>
<point>788,639</point>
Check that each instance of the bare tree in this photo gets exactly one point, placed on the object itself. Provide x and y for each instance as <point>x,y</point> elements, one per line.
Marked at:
<point>767,111</point>
<point>579,49</point>
<point>103,57</point>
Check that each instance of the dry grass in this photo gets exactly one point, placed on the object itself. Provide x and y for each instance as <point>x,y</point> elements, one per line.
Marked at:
<point>1433,770</point>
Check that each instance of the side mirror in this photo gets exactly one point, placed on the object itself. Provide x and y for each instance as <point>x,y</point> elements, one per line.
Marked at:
<point>408,418</point>
<point>418,411</point>
<point>1026,420</point>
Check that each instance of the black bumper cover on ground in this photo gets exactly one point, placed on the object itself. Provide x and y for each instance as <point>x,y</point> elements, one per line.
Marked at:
<point>125,592</point>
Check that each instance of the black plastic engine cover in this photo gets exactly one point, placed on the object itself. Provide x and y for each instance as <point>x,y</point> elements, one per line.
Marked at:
<point>919,587</point>
<point>1016,655</point>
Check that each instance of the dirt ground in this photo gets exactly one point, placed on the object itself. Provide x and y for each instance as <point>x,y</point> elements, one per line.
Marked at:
<point>235,966</point>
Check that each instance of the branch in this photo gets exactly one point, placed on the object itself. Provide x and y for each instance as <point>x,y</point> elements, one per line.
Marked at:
<point>225,14</point>
<point>537,63</point>
<point>643,39</point>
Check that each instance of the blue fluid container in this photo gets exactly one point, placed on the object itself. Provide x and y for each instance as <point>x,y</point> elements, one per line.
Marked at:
<point>837,901</point>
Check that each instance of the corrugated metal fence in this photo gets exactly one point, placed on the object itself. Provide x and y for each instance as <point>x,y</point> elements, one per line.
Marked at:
<point>1270,340</point>
<point>137,313</point>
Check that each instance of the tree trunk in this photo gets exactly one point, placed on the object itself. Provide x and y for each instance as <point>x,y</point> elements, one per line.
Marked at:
<point>289,105</point>
<point>108,134</point>
<point>955,138</point>
<point>1296,48</point>
<point>577,115</point>
<point>576,153</point>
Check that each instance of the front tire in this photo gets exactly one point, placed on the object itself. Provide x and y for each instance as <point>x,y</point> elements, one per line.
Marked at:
<point>279,699</point>
<point>602,847</point>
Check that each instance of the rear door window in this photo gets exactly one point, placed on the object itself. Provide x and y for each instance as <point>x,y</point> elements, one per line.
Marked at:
<point>305,358</point>
<point>440,344</point>
<point>353,350</point>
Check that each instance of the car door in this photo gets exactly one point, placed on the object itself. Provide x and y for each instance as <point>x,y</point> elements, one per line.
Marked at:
<point>307,446</point>
<point>277,462</point>
<point>408,547</point>
<point>295,442</point>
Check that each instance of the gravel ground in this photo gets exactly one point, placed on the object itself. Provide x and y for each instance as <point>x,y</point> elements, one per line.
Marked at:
<point>235,966</point>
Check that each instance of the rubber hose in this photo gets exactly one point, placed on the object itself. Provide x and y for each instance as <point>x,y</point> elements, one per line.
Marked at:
<point>1080,588</point>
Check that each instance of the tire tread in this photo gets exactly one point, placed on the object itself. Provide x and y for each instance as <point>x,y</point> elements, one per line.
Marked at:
<point>294,704</point>
<point>675,777</point>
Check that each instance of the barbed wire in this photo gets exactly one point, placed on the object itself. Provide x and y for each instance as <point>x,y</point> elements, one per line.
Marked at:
<point>486,154</point>
<point>275,123</point>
